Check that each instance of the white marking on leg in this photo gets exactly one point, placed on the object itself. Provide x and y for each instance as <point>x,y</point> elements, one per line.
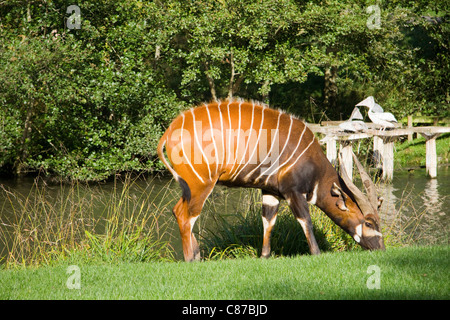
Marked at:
<point>268,224</point>
<point>265,224</point>
<point>303,224</point>
<point>192,221</point>
<point>314,195</point>
<point>270,200</point>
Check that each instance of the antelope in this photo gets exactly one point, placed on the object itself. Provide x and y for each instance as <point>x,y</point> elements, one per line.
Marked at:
<point>247,144</point>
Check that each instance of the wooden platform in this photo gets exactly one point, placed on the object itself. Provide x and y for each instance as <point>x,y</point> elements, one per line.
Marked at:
<point>383,144</point>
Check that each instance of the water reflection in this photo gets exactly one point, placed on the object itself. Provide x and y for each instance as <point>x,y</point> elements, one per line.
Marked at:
<point>416,207</point>
<point>387,210</point>
<point>431,198</point>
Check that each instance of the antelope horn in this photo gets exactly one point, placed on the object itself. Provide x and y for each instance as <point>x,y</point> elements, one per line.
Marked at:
<point>361,199</point>
<point>368,184</point>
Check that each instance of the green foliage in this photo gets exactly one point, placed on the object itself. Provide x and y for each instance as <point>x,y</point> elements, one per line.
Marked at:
<point>86,103</point>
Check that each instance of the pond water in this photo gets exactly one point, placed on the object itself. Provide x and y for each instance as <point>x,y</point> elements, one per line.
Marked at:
<point>413,204</point>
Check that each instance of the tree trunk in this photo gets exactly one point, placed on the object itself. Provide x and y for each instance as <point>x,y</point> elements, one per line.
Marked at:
<point>330,88</point>
<point>212,86</point>
<point>234,82</point>
<point>230,86</point>
<point>23,154</point>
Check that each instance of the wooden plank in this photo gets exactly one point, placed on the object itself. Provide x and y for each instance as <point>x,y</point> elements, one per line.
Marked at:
<point>375,131</point>
<point>431,130</point>
<point>346,151</point>
<point>391,133</point>
<point>331,123</point>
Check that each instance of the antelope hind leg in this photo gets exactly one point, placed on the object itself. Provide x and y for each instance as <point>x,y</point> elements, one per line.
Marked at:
<point>299,208</point>
<point>269,216</point>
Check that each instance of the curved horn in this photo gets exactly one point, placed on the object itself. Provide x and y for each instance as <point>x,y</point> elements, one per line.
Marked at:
<point>361,199</point>
<point>368,184</point>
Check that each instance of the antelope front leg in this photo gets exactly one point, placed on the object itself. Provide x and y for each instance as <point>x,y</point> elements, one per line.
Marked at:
<point>269,216</point>
<point>185,222</point>
<point>299,208</point>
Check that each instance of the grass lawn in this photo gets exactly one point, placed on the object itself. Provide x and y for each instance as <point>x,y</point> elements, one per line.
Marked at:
<point>412,153</point>
<point>404,273</point>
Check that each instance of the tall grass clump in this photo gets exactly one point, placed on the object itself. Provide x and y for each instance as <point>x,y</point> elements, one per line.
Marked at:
<point>238,232</point>
<point>54,222</point>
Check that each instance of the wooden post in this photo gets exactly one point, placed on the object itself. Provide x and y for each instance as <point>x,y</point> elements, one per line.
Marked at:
<point>346,149</point>
<point>431,157</point>
<point>377,151</point>
<point>388,158</point>
<point>410,124</point>
<point>331,150</point>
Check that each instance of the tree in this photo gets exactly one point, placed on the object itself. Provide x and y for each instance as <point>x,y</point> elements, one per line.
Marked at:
<point>86,103</point>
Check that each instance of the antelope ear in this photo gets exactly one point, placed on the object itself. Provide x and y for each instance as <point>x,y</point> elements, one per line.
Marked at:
<point>336,191</point>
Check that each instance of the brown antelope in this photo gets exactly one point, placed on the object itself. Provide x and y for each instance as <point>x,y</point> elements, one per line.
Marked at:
<point>245,144</point>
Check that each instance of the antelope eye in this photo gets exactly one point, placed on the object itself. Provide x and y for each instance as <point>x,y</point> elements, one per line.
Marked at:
<point>369,225</point>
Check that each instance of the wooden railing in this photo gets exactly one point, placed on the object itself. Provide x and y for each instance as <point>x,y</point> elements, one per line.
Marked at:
<point>383,144</point>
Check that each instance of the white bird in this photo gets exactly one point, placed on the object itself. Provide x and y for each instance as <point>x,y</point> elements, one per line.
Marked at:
<point>354,123</point>
<point>377,114</point>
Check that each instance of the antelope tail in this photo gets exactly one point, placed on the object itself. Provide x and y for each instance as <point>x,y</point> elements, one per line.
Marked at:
<point>161,156</point>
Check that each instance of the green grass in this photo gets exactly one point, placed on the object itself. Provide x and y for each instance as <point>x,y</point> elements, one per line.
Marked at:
<point>412,153</point>
<point>405,273</point>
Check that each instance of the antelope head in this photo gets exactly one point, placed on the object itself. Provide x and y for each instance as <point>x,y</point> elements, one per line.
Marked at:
<point>368,233</point>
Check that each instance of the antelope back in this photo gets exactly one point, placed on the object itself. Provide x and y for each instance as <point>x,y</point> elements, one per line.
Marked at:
<point>236,142</point>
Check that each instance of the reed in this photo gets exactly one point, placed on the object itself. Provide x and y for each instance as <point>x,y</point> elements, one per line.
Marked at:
<point>407,225</point>
<point>127,224</point>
